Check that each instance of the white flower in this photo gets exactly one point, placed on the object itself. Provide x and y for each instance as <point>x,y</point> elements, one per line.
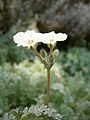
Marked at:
<point>48,37</point>
<point>31,38</point>
<point>27,39</point>
<point>52,38</point>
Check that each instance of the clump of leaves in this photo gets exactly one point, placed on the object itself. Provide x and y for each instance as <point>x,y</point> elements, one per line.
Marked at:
<point>76,59</point>
<point>35,112</point>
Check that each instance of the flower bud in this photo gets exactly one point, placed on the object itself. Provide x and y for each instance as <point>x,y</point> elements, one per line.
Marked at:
<point>55,53</point>
<point>43,53</point>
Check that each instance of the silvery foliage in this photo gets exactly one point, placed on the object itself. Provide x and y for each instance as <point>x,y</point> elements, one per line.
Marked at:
<point>34,112</point>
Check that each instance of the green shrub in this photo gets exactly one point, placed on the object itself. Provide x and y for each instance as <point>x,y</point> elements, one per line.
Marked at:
<point>74,60</point>
<point>25,84</point>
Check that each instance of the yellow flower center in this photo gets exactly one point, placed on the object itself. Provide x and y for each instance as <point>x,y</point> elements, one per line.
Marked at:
<point>51,40</point>
<point>30,42</point>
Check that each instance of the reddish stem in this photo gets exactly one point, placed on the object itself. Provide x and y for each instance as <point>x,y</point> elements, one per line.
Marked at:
<point>48,87</point>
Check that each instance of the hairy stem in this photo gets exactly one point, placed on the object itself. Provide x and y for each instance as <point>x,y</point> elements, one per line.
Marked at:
<point>48,87</point>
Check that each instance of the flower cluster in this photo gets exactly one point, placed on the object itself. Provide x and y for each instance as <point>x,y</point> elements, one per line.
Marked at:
<point>31,38</point>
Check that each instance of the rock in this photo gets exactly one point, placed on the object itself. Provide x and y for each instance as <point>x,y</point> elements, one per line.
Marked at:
<point>69,16</point>
<point>39,6</point>
<point>11,11</point>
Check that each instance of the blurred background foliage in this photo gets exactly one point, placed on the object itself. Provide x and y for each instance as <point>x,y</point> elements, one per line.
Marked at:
<point>23,77</point>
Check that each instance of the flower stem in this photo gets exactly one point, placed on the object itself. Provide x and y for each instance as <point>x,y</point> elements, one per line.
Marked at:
<point>38,54</point>
<point>50,53</point>
<point>48,87</point>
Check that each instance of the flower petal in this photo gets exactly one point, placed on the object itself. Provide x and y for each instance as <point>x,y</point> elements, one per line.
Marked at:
<point>61,37</point>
